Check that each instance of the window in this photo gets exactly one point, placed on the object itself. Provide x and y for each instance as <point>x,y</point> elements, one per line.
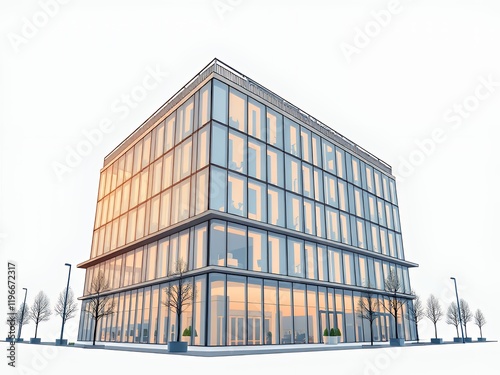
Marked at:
<point>342,195</point>
<point>256,119</point>
<point>168,160</point>
<point>217,250</point>
<point>257,250</point>
<point>237,110</point>
<point>257,206</point>
<point>307,181</point>
<point>318,185</point>
<point>275,167</point>
<point>219,110</point>
<point>200,246</point>
<point>292,173</point>
<point>218,146</point>
<point>295,257</point>
<point>137,157</point>
<point>356,173</point>
<point>218,183</point>
<point>294,207</point>
<point>185,116</point>
<point>236,195</point>
<point>316,150</point>
<point>320,220</point>
<point>344,227</point>
<point>332,224</point>
<point>328,157</point>
<point>237,150</point>
<point>203,147</point>
<point>322,263</point>
<point>146,150</point>
<point>256,159</point>
<point>182,166</point>
<point>358,202</point>
<point>169,140</point>
<point>349,268</point>
<point>277,254</point>
<point>331,190</point>
<point>309,217</point>
<point>236,246</point>
<point>311,258</point>
<point>335,265</point>
<point>204,114</point>
<point>276,206</point>
<point>201,191</point>
<point>360,229</point>
<point>274,128</point>
<point>305,136</point>
<point>292,137</point>
<point>165,209</point>
<point>340,156</point>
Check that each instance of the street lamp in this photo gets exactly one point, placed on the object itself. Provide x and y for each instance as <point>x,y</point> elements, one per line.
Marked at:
<point>65,302</point>
<point>458,307</point>
<point>22,314</point>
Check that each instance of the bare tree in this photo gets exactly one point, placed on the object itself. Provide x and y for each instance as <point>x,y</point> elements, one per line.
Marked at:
<point>466,313</point>
<point>71,305</point>
<point>368,310</point>
<point>99,305</point>
<point>23,318</point>
<point>394,286</point>
<point>40,310</point>
<point>480,321</point>
<point>179,293</point>
<point>433,311</point>
<point>453,317</point>
<point>416,311</point>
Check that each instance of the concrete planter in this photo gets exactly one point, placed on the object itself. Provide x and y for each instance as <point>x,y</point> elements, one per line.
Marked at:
<point>35,341</point>
<point>177,347</point>
<point>397,342</point>
<point>436,341</point>
<point>468,339</point>
<point>331,340</point>
<point>62,342</point>
<point>481,339</point>
<point>325,339</point>
<point>457,340</point>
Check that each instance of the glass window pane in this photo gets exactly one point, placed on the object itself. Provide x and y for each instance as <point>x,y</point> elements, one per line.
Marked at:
<point>217,249</point>
<point>169,133</point>
<point>274,128</point>
<point>237,151</point>
<point>294,208</point>
<point>277,254</point>
<point>165,205</point>
<point>340,156</point>
<point>311,257</point>
<point>256,119</point>
<point>146,151</point>
<point>201,191</point>
<point>335,265</point>
<point>322,263</point>
<point>257,250</point>
<point>275,167</point>
<point>320,220</point>
<point>332,224</point>
<point>256,159</point>
<point>344,227</point>
<point>236,246</point>
<point>328,157</point>
<point>217,310</point>
<point>292,137</point>
<point>318,185</point>
<point>237,110</point>
<point>218,184</point>
<point>305,137</point>
<point>276,206</point>
<point>204,114</point>
<point>185,117</point>
<point>309,217</point>
<point>218,146</point>
<point>257,202</point>
<point>236,194</point>
<point>348,268</point>
<point>137,157</point>
<point>203,147</point>
<point>219,110</point>
<point>307,181</point>
<point>316,150</point>
<point>293,174</point>
<point>295,257</point>
<point>331,190</point>
<point>342,186</point>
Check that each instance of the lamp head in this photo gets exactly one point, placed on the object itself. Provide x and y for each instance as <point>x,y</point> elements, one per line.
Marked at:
<point>67,264</point>
<point>25,289</point>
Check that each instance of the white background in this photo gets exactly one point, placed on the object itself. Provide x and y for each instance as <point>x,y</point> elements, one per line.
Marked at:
<point>64,76</point>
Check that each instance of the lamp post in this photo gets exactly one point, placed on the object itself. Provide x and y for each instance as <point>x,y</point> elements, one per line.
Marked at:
<point>22,315</point>
<point>65,302</point>
<point>458,307</point>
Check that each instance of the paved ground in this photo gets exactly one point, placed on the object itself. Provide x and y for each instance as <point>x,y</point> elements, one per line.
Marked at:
<point>202,351</point>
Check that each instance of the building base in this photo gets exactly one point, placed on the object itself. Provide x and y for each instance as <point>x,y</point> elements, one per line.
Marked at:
<point>397,342</point>
<point>177,347</point>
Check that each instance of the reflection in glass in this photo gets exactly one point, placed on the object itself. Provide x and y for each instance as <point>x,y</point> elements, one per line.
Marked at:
<point>237,110</point>
<point>256,119</point>
<point>257,250</point>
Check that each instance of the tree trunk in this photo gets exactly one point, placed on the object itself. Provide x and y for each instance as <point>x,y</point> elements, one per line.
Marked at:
<point>371,332</point>
<point>36,329</point>
<point>95,331</point>
<point>416,328</point>
<point>457,331</point>
<point>481,331</point>
<point>465,327</point>
<point>396,320</point>
<point>178,327</point>
<point>435,330</point>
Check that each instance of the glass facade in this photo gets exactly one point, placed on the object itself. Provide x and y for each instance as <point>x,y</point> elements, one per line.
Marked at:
<point>282,229</point>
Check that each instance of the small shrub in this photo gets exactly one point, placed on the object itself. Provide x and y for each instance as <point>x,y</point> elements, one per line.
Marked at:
<point>325,332</point>
<point>337,332</point>
<point>332,331</point>
<point>187,331</point>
